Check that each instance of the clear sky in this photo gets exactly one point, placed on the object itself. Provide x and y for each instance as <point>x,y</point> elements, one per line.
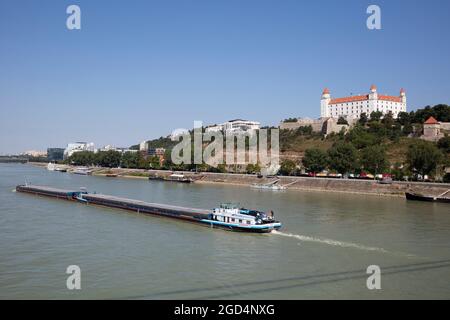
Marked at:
<point>139,69</point>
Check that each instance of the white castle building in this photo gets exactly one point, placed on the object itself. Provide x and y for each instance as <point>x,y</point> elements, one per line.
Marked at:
<point>353,106</point>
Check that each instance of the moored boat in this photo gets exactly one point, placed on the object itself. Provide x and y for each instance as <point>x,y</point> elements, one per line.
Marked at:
<point>54,167</point>
<point>51,166</point>
<point>111,175</point>
<point>428,198</point>
<point>82,171</point>
<point>275,187</point>
<point>172,178</point>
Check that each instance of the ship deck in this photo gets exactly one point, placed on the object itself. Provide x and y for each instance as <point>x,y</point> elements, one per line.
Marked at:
<point>108,198</point>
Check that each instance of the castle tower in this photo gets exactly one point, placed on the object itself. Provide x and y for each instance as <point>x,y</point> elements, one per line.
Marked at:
<point>324,102</point>
<point>431,129</point>
<point>403,95</point>
<point>373,99</point>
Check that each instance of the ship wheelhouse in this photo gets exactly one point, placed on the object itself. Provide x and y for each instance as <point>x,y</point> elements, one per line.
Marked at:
<point>231,213</point>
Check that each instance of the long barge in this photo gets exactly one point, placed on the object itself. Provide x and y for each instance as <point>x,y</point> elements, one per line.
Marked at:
<point>227,216</point>
<point>427,198</point>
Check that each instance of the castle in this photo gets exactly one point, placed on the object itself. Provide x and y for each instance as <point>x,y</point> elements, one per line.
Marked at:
<point>352,107</point>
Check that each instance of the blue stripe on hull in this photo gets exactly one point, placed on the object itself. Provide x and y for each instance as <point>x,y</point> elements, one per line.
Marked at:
<point>242,227</point>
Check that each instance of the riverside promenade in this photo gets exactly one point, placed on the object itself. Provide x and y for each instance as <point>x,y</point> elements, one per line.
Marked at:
<point>353,186</point>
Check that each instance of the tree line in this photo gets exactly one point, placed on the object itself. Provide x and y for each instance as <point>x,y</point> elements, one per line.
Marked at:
<point>114,159</point>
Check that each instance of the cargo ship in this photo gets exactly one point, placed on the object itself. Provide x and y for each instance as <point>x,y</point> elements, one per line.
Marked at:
<point>227,216</point>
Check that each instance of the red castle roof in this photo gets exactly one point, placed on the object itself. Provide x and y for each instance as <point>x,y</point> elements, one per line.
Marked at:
<point>431,120</point>
<point>364,98</point>
<point>349,99</point>
<point>389,98</point>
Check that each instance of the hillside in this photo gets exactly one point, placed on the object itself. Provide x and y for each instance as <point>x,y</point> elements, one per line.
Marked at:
<point>375,144</point>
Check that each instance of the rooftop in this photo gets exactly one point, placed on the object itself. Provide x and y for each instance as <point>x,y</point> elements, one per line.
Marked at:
<point>431,120</point>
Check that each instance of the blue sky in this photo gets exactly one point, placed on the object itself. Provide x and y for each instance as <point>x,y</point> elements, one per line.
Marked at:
<point>139,69</point>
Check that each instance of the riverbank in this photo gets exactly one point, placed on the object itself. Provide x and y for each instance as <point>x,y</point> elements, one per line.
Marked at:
<point>329,185</point>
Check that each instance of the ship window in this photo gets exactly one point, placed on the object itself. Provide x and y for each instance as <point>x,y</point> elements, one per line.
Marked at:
<point>240,221</point>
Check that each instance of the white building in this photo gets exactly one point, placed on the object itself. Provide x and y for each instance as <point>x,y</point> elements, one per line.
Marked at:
<point>353,106</point>
<point>118,149</point>
<point>77,147</point>
<point>235,126</point>
<point>143,146</point>
<point>35,153</point>
<point>178,132</point>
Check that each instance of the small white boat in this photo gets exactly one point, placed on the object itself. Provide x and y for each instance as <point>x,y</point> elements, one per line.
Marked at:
<point>54,167</point>
<point>82,171</point>
<point>51,166</point>
<point>269,186</point>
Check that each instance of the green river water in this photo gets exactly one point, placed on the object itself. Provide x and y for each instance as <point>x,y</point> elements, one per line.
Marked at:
<point>322,252</point>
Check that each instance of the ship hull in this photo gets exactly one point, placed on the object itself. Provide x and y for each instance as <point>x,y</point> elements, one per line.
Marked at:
<point>418,197</point>
<point>263,228</point>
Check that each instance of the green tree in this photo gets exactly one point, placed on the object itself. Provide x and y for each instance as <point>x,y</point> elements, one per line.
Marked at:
<point>360,137</point>
<point>444,144</point>
<point>399,172</point>
<point>305,130</point>
<point>154,162</point>
<point>342,120</point>
<point>110,159</point>
<point>222,168</point>
<point>442,112</point>
<point>388,120</point>
<point>375,115</point>
<point>130,160</point>
<point>82,158</point>
<point>253,168</point>
<point>143,162</point>
<point>407,129</point>
<point>403,118</point>
<point>423,157</point>
<point>288,167</point>
<point>446,178</point>
<point>342,157</point>
<point>363,119</point>
<point>378,129</point>
<point>373,159</point>
<point>315,160</point>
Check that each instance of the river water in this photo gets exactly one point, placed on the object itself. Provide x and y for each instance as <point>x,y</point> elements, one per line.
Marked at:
<point>322,252</point>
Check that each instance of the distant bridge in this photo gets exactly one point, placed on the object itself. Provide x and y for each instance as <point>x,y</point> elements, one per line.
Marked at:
<point>13,159</point>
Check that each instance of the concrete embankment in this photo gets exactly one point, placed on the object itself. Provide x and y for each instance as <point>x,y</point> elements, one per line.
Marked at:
<point>369,187</point>
<point>331,185</point>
